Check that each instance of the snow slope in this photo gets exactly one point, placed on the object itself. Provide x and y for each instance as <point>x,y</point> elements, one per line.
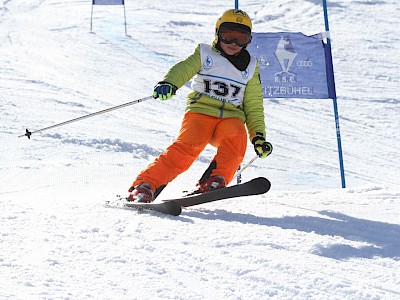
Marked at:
<point>306,239</point>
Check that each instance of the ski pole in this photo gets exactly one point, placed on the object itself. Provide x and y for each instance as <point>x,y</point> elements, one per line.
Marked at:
<point>29,133</point>
<point>239,172</point>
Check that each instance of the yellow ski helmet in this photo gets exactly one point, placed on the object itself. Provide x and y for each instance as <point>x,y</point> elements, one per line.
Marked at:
<point>234,19</point>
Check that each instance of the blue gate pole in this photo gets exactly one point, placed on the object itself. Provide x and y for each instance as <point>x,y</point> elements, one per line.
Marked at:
<point>239,177</point>
<point>335,106</point>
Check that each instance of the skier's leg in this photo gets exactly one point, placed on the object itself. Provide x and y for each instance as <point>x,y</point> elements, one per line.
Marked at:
<point>195,133</point>
<point>230,137</point>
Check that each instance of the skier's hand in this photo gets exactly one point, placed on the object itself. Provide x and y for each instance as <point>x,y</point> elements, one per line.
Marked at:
<point>164,91</point>
<point>261,146</point>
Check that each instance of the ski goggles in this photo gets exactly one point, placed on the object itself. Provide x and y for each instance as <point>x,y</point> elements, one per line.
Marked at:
<point>241,39</point>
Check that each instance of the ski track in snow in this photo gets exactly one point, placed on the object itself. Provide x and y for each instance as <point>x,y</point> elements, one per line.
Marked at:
<point>306,239</point>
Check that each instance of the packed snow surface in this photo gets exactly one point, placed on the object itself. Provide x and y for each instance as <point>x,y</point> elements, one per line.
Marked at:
<point>305,239</point>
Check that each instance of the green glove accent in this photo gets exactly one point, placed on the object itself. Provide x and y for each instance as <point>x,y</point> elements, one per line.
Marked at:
<point>261,147</point>
<point>164,91</point>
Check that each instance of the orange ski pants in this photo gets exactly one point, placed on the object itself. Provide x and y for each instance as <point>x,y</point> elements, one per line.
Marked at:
<point>228,135</point>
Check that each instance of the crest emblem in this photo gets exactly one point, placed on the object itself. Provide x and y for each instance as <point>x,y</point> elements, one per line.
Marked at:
<point>263,62</point>
<point>245,74</point>
<point>208,63</point>
<point>285,54</point>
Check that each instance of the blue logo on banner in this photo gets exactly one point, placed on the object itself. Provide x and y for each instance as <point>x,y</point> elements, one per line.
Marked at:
<point>292,65</point>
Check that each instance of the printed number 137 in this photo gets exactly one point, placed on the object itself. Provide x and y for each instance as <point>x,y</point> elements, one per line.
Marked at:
<point>220,88</point>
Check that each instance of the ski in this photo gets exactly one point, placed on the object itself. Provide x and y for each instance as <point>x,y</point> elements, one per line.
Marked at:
<point>168,208</point>
<point>255,186</point>
<point>174,206</point>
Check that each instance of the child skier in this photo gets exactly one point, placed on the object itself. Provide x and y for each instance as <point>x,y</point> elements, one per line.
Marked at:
<point>226,94</point>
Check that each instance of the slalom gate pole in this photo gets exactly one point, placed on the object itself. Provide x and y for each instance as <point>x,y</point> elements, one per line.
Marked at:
<point>29,133</point>
<point>335,106</point>
<point>240,171</point>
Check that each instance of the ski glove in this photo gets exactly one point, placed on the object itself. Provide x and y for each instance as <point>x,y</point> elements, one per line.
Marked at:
<point>164,90</point>
<point>261,146</point>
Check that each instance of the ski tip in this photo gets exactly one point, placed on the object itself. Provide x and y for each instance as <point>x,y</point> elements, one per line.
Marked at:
<point>262,183</point>
<point>176,208</point>
<point>168,208</point>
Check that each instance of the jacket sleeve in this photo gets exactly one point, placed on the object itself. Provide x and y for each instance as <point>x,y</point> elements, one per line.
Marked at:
<point>253,106</point>
<point>184,70</point>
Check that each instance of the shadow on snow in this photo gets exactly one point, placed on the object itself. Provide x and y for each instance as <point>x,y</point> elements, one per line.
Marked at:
<point>383,239</point>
